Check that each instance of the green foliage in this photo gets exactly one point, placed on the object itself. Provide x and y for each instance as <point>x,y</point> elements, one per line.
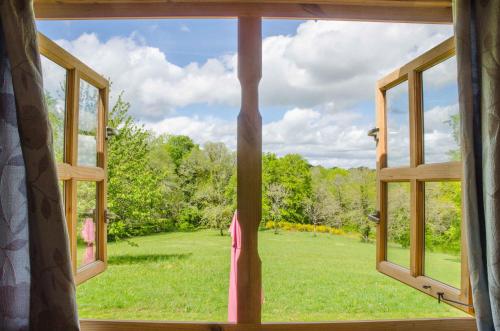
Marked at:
<point>288,226</point>
<point>293,172</point>
<point>135,193</point>
<point>168,182</point>
<point>177,148</point>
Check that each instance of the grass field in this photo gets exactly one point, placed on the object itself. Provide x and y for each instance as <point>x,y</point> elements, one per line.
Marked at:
<point>185,276</point>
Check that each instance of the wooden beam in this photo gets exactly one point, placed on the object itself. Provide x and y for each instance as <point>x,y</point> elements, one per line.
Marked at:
<point>445,324</point>
<point>430,58</point>
<point>425,172</point>
<point>396,3</point>
<point>376,11</point>
<point>249,169</point>
<point>381,250</point>
<point>60,56</point>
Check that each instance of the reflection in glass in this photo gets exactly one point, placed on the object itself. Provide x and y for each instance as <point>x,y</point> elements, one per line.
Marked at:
<point>441,117</point>
<point>87,223</point>
<point>443,232</point>
<point>398,119</point>
<point>87,124</point>
<point>61,190</point>
<point>398,223</point>
<point>54,83</point>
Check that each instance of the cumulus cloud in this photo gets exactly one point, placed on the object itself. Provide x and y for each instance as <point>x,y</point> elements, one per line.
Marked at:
<point>200,129</point>
<point>319,73</point>
<point>439,140</point>
<point>322,138</point>
<point>339,62</point>
<point>154,85</point>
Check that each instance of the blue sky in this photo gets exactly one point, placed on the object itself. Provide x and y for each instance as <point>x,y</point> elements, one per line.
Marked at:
<point>316,91</point>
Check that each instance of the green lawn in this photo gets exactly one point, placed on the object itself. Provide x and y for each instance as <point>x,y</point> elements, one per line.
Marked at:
<point>185,276</point>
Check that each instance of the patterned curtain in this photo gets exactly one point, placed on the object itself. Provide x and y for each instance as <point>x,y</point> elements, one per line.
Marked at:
<point>30,174</point>
<point>14,237</point>
<point>477,31</point>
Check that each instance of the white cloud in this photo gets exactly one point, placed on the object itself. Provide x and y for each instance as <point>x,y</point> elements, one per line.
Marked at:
<point>200,129</point>
<point>328,139</point>
<point>155,86</point>
<point>339,62</point>
<point>438,133</point>
<point>319,73</point>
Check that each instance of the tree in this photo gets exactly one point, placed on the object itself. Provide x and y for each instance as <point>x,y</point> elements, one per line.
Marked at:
<point>135,193</point>
<point>276,194</point>
<point>398,225</point>
<point>320,207</point>
<point>177,148</point>
<point>293,173</point>
<point>216,206</point>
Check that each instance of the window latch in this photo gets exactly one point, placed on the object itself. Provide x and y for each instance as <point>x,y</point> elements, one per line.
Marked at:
<point>374,133</point>
<point>108,216</point>
<point>441,298</point>
<point>111,132</point>
<point>375,217</point>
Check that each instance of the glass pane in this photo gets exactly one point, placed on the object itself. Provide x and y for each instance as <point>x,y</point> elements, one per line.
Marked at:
<point>87,223</point>
<point>87,124</point>
<point>61,190</point>
<point>398,119</point>
<point>54,84</point>
<point>443,216</point>
<point>398,223</point>
<point>441,117</point>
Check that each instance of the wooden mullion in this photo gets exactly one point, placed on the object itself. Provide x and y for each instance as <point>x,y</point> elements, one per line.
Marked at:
<point>249,169</point>
<point>60,56</point>
<point>430,58</point>
<point>416,187</point>
<point>449,171</point>
<point>102,185</point>
<point>381,250</point>
<point>71,158</point>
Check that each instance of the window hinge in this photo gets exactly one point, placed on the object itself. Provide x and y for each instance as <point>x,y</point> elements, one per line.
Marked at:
<point>375,217</point>
<point>374,133</point>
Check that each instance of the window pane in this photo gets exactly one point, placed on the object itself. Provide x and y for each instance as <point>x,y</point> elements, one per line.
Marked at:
<point>441,117</point>
<point>54,83</point>
<point>61,190</point>
<point>398,137</point>
<point>398,223</point>
<point>443,232</point>
<point>87,124</point>
<point>87,223</point>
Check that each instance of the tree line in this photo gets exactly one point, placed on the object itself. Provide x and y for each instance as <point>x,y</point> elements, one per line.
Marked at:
<point>170,183</point>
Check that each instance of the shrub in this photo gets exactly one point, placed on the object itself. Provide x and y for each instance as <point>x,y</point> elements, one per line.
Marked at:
<point>288,226</point>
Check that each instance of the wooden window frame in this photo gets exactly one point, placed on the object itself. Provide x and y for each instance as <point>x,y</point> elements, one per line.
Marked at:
<point>416,11</point>
<point>417,173</point>
<point>69,171</point>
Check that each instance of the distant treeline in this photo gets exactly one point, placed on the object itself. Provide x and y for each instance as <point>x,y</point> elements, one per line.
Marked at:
<point>169,183</point>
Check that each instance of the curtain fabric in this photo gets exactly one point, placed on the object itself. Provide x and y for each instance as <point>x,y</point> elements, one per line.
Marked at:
<point>477,32</point>
<point>14,237</point>
<point>52,290</point>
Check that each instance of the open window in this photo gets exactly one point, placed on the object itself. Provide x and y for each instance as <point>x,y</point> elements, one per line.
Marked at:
<point>77,100</point>
<point>420,235</point>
